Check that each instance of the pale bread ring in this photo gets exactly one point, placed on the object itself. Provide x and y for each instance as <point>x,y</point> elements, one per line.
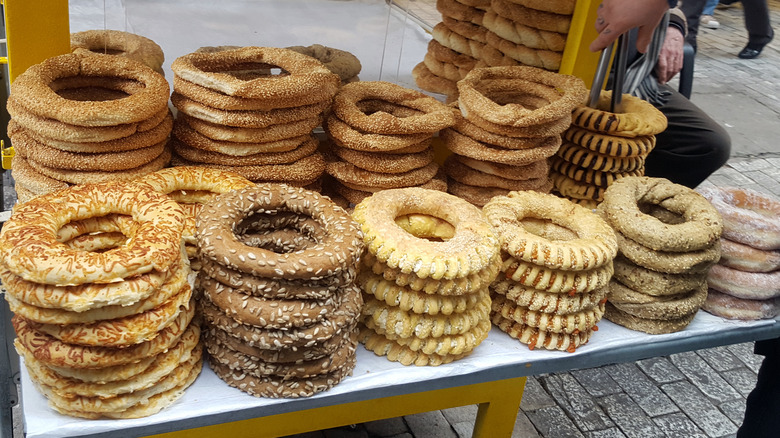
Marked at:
<point>519,33</point>
<point>381,346</point>
<point>746,258</point>
<point>426,80</point>
<point>749,217</point>
<point>443,345</point>
<point>537,18</point>
<point>541,58</point>
<point>741,284</point>
<point>406,299</point>
<point>727,306</point>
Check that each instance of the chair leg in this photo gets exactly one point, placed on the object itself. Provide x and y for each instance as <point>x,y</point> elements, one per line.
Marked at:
<point>686,73</point>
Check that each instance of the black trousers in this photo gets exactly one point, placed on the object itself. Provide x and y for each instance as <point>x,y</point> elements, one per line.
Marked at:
<point>757,22</point>
<point>762,412</point>
<point>692,147</point>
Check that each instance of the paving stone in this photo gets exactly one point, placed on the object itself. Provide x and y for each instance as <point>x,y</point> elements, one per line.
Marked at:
<point>641,389</point>
<point>677,425</point>
<point>629,417</point>
<point>720,358</point>
<point>552,422</point>
<point>704,376</point>
<point>386,427</point>
<point>612,432</point>
<point>699,409</point>
<point>430,425</point>
<point>524,428</point>
<point>596,381</point>
<point>461,414</point>
<point>574,399</point>
<point>744,352</point>
<point>735,410</point>
<point>535,396</point>
<point>463,429</point>
<point>660,370</point>
<point>346,432</point>
<point>742,379</point>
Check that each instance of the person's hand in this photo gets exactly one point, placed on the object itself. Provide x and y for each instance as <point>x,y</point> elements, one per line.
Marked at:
<point>616,17</point>
<point>670,58</point>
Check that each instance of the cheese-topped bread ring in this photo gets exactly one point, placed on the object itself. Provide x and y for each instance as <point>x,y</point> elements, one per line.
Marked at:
<point>595,246</point>
<point>639,117</point>
<point>471,249</point>
<point>434,115</point>
<point>33,90</point>
<point>626,197</point>
<point>563,93</point>
<point>172,179</point>
<point>307,80</point>
<point>30,248</point>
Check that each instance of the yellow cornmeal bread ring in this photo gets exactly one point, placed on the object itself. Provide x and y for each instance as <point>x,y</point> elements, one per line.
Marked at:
<point>470,250</point>
<point>554,280</point>
<point>691,262</point>
<point>442,345</point>
<point>652,282</point>
<point>540,301</point>
<point>52,351</point>
<point>585,158</point>
<point>647,325</point>
<point>308,81</point>
<point>647,306</point>
<point>434,115</point>
<point>30,248</point>
<point>702,224</point>
<point>120,43</point>
<point>32,90</point>
<point>590,176</point>
<point>395,322</point>
<point>639,118</point>
<point>536,338</point>
<point>381,346</point>
<point>574,189</point>
<point>407,299</point>
<point>576,322</point>
<point>595,246</point>
<point>613,146</point>
<point>339,247</point>
<point>570,90</point>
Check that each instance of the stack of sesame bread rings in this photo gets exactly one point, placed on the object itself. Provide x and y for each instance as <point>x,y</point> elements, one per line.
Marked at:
<point>279,301</point>
<point>602,146</point>
<point>98,282</point>
<point>120,43</point>
<point>557,262</point>
<point>745,284</point>
<point>425,273</point>
<point>380,138</point>
<point>251,110</point>
<point>509,121</point>
<point>87,118</point>
<point>668,238</point>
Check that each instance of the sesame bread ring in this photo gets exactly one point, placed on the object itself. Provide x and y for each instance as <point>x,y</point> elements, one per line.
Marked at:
<point>746,258</point>
<point>349,137</point>
<point>590,176</point>
<point>426,80</point>
<point>540,301</point>
<point>541,58</point>
<point>184,132</point>
<point>391,244</point>
<point>639,118</point>
<point>585,158</point>
<point>134,141</point>
<point>395,352</point>
<point>343,63</point>
<point>445,54</point>
<point>652,282</point>
<point>384,162</point>
<point>576,322</point>
<point>537,18</point>
<point>434,116</point>
<point>534,136</point>
<point>444,69</point>
<point>740,284</point>
<point>466,175</point>
<point>611,145</point>
<point>562,92</point>
<point>460,11</point>
<point>196,155</point>
<point>32,90</point>
<point>338,248</point>
<point>308,80</point>
<point>409,300</point>
<point>120,43</point>
<point>478,196</point>
<point>594,247</point>
<point>442,345</point>
<point>466,28</point>
<point>691,262</point>
<point>727,306</point>
<point>749,217</point>
<point>103,176</point>
<point>537,169</point>
<point>571,188</point>
<point>302,172</point>
<point>252,135</point>
<point>26,177</point>
<point>564,7</point>
<point>397,323</point>
<point>54,352</point>
<point>536,338</point>
<point>463,145</point>
<point>701,226</point>
<point>356,193</point>
<point>30,248</point>
<point>648,306</point>
<point>519,33</point>
<point>647,325</point>
<point>246,118</point>
<point>556,280</point>
<point>348,173</point>
<point>456,41</point>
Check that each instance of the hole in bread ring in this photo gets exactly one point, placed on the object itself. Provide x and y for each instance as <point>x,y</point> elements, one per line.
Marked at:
<point>595,245</point>
<point>34,90</point>
<point>470,250</point>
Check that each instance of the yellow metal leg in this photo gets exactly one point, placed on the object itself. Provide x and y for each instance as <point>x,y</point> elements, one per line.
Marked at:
<point>498,402</point>
<point>578,60</point>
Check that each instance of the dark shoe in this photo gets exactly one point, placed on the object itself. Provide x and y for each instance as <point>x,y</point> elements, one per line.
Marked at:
<point>749,53</point>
